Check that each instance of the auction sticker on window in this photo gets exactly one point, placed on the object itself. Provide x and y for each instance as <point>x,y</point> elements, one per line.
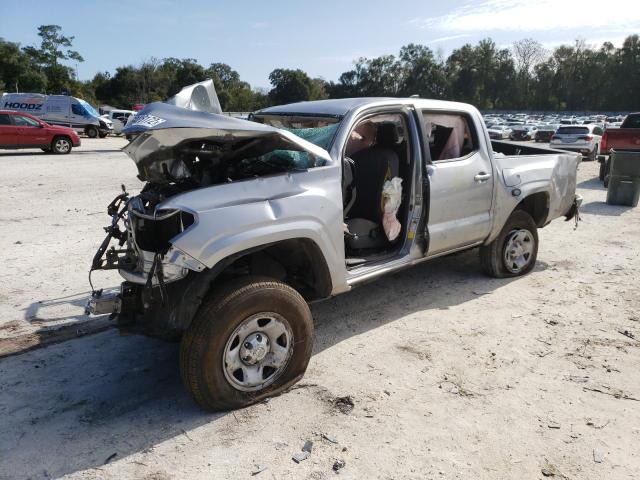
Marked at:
<point>147,120</point>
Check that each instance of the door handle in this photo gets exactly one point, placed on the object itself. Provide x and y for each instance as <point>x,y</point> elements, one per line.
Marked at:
<point>482,176</point>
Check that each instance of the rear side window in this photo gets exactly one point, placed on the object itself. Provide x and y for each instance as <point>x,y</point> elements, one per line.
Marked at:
<point>597,131</point>
<point>632,121</point>
<point>573,131</point>
<point>450,135</point>
<point>4,119</point>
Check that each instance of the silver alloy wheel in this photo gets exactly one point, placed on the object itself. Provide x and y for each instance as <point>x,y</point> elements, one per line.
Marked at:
<point>518,250</point>
<point>62,145</point>
<point>257,351</point>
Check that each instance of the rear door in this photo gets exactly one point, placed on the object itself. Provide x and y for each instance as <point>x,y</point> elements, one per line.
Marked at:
<point>460,181</point>
<point>8,132</point>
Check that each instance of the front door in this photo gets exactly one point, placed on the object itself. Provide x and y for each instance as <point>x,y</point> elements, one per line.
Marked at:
<point>460,179</point>
<point>30,132</point>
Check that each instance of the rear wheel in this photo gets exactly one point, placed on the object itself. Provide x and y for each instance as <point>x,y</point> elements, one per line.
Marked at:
<point>514,251</point>
<point>92,132</point>
<point>249,340</point>
<point>61,145</point>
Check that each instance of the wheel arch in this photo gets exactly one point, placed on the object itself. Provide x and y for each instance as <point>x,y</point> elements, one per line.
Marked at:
<point>537,205</point>
<point>304,268</point>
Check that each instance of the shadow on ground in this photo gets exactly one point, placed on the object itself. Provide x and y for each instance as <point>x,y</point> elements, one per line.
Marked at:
<point>603,208</point>
<point>71,406</point>
<point>592,184</point>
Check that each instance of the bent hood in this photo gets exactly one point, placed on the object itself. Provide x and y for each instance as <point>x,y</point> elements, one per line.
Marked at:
<point>161,129</point>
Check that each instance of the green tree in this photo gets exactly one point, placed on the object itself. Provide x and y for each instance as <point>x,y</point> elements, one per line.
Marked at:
<point>54,48</point>
<point>289,86</point>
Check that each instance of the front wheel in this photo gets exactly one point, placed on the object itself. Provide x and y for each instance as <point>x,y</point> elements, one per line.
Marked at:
<point>61,145</point>
<point>514,251</point>
<point>92,132</point>
<point>250,339</point>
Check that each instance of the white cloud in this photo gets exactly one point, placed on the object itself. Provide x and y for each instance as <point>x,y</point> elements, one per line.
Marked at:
<point>446,39</point>
<point>536,15</point>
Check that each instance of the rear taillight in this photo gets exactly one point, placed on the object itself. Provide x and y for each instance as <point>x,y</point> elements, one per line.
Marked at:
<point>588,138</point>
<point>603,142</point>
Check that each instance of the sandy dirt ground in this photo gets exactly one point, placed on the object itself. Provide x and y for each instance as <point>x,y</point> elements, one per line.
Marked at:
<point>451,374</point>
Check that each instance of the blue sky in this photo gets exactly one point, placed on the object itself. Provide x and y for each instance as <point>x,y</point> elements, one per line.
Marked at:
<point>322,38</point>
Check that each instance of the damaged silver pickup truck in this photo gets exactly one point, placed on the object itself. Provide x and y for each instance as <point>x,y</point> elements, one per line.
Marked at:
<point>241,223</point>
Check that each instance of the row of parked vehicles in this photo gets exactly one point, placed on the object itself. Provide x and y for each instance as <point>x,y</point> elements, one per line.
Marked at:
<point>53,122</point>
<point>577,134</point>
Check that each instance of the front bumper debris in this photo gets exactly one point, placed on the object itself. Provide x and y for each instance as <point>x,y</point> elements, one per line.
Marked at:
<point>102,304</point>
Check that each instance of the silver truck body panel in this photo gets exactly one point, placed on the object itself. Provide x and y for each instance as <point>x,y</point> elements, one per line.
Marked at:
<point>236,217</point>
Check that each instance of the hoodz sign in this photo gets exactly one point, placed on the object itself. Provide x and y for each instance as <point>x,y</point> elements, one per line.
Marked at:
<point>23,106</point>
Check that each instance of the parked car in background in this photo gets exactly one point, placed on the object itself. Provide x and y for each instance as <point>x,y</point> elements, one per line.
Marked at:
<point>21,130</point>
<point>523,132</point>
<point>545,132</point>
<point>62,110</point>
<point>498,132</point>
<point>119,119</point>
<point>584,139</point>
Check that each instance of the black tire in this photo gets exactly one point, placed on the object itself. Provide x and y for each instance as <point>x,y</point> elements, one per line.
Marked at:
<point>61,145</point>
<point>223,310</point>
<point>92,132</point>
<point>492,256</point>
<point>601,171</point>
<point>103,135</point>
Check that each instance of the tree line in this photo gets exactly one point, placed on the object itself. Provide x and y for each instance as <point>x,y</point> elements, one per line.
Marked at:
<point>523,77</point>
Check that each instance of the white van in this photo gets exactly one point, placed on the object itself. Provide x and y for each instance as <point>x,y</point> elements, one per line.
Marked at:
<point>118,118</point>
<point>59,110</point>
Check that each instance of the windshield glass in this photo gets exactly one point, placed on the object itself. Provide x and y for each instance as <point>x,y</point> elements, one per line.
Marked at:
<point>90,110</point>
<point>318,130</point>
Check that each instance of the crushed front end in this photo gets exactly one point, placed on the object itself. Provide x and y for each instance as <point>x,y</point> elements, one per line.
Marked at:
<point>138,245</point>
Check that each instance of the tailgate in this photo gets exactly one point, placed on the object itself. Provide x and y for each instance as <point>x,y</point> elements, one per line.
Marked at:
<point>623,138</point>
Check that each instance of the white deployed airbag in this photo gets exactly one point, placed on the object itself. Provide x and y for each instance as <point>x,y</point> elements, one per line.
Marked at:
<point>392,194</point>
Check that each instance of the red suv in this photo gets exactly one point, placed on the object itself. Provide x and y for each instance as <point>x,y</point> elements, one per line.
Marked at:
<point>21,130</point>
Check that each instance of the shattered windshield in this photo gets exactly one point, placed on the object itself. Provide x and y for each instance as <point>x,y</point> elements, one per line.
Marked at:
<point>318,130</point>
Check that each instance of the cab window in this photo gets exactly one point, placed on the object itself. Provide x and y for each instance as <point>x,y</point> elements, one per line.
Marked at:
<point>4,119</point>
<point>21,121</point>
<point>78,109</point>
<point>450,135</point>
